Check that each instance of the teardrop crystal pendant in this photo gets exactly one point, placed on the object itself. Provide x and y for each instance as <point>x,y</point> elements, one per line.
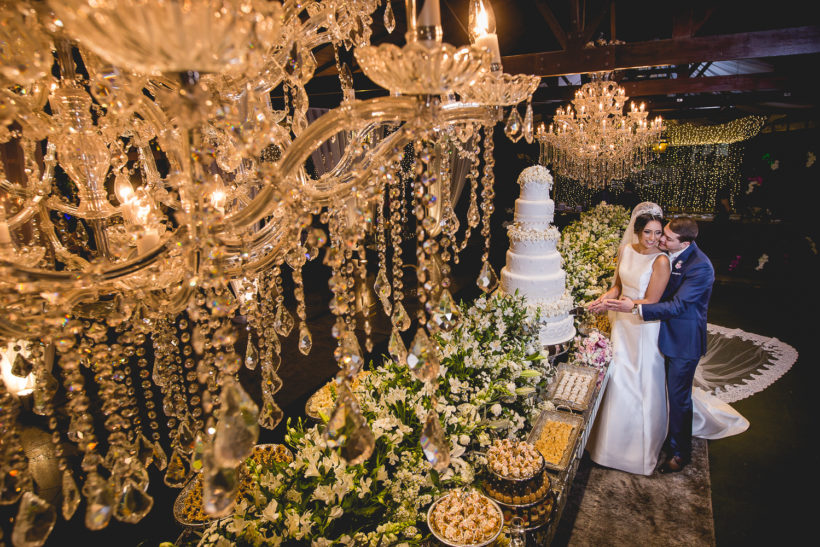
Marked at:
<point>219,488</point>
<point>397,349</point>
<point>422,358</point>
<point>348,430</point>
<point>237,429</point>
<point>44,391</point>
<point>133,504</point>
<point>382,289</point>
<point>513,128</point>
<point>400,318</point>
<point>528,123</point>
<point>282,321</point>
<point>434,443</point>
<point>389,18</point>
<point>487,280</point>
<point>445,313</point>
<point>145,449</point>
<point>251,355</point>
<point>34,522</point>
<point>349,354</point>
<point>201,445</point>
<point>271,382</point>
<point>160,459</point>
<point>70,495</point>
<point>305,339</point>
<point>100,501</point>
<point>175,473</point>
<point>271,415</point>
<point>185,437</point>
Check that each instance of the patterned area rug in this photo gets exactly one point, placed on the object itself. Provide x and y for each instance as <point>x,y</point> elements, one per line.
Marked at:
<point>609,507</point>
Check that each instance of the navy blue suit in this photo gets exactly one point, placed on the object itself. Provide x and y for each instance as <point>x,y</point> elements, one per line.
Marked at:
<point>682,339</point>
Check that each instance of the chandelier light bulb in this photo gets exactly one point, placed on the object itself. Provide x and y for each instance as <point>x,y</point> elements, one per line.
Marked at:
<point>482,30</point>
<point>123,190</point>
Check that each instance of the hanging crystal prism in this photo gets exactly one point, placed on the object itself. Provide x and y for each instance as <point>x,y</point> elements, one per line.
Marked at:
<point>237,429</point>
<point>44,391</point>
<point>382,289</point>
<point>487,280</point>
<point>219,488</point>
<point>400,319</point>
<point>528,123</point>
<point>445,313</point>
<point>70,495</point>
<point>34,522</point>
<point>397,349</point>
<point>133,503</point>
<point>160,459</point>
<point>185,437</point>
<point>422,358</point>
<point>271,382</point>
<point>389,18</point>
<point>271,415</point>
<point>348,429</point>
<point>513,128</point>
<point>175,473</point>
<point>282,321</point>
<point>349,354</point>
<point>434,443</point>
<point>251,355</point>
<point>201,445</point>
<point>305,339</point>
<point>100,501</point>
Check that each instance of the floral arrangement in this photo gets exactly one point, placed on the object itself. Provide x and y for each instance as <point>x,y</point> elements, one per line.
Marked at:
<point>592,350</point>
<point>491,366</point>
<point>589,247</point>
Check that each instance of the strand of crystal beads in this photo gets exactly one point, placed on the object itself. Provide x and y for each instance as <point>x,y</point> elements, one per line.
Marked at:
<point>363,299</point>
<point>487,279</point>
<point>399,317</point>
<point>473,216</point>
<point>305,341</point>
<point>16,478</point>
<point>382,284</point>
<point>424,245</point>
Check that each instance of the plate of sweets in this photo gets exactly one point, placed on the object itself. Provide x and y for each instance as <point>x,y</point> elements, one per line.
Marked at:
<point>554,436</point>
<point>188,507</point>
<point>465,518</point>
<point>516,473</point>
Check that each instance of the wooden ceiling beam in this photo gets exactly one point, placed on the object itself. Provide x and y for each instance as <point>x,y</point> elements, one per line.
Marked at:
<point>679,86</point>
<point>675,51</point>
<point>552,22</point>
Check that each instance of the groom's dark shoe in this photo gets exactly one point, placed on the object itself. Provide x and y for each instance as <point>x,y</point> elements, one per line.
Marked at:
<point>672,465</point>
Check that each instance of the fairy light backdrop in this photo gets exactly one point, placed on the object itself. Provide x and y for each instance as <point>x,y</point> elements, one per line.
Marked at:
<point>698,161</point>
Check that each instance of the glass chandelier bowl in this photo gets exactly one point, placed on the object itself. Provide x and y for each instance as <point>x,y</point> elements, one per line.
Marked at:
<point>500,89</point>
<point>158,36</point>
<point>593,141</point>
<point>25,50</point>
<point>421,69</point>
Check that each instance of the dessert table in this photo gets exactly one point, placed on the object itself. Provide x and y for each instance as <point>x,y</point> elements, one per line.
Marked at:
<point>562,481</point>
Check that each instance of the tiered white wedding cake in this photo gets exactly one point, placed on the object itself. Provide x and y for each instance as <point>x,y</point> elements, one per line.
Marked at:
<point>533,262</point>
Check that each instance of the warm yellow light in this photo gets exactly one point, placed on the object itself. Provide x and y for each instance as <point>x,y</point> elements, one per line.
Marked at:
<point>482,18</point>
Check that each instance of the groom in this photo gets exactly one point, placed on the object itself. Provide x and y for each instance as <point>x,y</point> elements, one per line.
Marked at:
<point>682,340</point>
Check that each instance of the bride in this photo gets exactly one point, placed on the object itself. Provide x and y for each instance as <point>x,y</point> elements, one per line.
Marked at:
<point>631,424</point>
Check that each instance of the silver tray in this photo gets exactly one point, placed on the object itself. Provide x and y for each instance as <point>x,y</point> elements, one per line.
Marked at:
<point>574,420</point>
<point>451,544</point>
<point>563,369</point>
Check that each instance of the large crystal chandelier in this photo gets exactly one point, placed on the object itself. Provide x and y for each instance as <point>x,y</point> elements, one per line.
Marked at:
<point>593,141</point>
<point>152,191</point>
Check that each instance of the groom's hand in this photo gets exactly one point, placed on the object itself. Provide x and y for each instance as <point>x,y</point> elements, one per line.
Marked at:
<point>623,304</point>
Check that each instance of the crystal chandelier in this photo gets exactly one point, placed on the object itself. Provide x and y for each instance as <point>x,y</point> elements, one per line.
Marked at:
<point>593,141</point>
<point>152,191</point>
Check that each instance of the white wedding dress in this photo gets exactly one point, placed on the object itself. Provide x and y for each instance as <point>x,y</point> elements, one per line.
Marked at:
<point>632,420</point>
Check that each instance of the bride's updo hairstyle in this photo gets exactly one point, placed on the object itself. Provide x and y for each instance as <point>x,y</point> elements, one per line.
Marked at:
<point>642,220</point>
